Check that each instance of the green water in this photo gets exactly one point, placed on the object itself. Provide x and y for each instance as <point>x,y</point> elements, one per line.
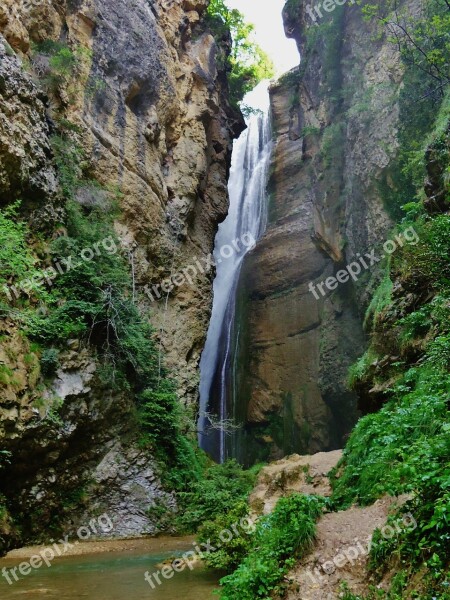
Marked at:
<point>111,576</point>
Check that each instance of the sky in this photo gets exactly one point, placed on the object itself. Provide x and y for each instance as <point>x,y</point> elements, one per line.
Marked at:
<point>269,32</point>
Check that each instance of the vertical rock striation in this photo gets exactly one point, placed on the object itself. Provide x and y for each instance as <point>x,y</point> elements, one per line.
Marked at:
<point>152,115</point>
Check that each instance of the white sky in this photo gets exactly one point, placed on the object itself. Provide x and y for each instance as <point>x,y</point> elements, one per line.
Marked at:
<point>269,33</point>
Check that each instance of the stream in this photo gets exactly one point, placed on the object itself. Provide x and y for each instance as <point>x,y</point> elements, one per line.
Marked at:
<point>117,575</point>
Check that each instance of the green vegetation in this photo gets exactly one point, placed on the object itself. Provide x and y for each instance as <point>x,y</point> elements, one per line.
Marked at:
<point>423,42</point>
<point>220,489</point>
<point>228,556</point>
<point>248,64</point>
<point>391,450</point>
<point>49,361</point>
<point>292,7</point>
<point>425,49</point>
<point>16,258</point>
<point>380,300</point>
<point>63,65</point>
<point>405,446</point>
<point>280,539</point>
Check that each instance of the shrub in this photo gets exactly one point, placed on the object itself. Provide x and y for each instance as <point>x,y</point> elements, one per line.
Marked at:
<point>63,65</point>
<point>248,63</point>
<point>49,361</point>
<point>218,491</point>
<point>280,538</point>
<point>16,258</point>
<point>235,523</point>
<point>388,451</point>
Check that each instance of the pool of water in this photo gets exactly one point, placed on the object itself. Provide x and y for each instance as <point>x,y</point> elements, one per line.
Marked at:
<point>117,575</point>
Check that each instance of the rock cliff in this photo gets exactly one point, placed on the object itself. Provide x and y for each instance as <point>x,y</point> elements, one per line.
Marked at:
<point>335,122</point>
<point>149,109</point>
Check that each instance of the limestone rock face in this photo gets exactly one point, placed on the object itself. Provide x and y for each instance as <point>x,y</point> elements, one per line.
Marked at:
<point>335,122</point>
<point>24,147</point>
<point>156,122</point>
<point>151,113</point>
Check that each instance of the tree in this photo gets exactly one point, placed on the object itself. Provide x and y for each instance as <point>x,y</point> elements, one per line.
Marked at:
<point>424,43</point>
<point>248,63</point>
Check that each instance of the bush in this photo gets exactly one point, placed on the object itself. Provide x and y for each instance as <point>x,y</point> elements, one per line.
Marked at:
<point>280,538</point>
<point>159,414</point>
<point>219,490</point>
<point>49,361</point>
<point>16,258</point>
<point>248,63</point>
<point>63,64</point>
<point>390,450</point>
<point>236,524</point>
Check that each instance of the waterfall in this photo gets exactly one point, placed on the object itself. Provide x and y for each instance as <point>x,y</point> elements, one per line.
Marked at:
<point>244,225</point>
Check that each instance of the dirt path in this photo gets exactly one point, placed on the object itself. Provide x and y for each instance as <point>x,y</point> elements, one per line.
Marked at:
<point>340,553</point>
<point>341,548</point>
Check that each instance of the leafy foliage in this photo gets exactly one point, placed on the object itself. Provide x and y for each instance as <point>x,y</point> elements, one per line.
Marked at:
<point>16,258</point>
<point>389,450</point>
<point>405,446</point>
<point>49,361</point>
<point>221,487</point>
<point>236,521</point>
<point>248,63</point>
<point>63,65</point>
<point>280,539</point>
<point>424,43</point>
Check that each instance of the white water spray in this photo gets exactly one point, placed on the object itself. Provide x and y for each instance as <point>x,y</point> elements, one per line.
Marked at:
<point>247,215</point>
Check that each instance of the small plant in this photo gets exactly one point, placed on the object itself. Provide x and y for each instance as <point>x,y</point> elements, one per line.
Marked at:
<point>310,130</point>
<point>63,64</point>
<point>49,361</point>
<point>359,371</point>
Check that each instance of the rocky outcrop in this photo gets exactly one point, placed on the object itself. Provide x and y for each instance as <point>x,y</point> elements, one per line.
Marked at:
<point>25,169</point>
<point>335,122</point>
<point>293,475</point>
<point>150,110</point>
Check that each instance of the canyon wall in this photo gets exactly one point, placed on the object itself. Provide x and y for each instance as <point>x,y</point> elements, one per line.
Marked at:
<point>149,109</point>
<point>335,122</point>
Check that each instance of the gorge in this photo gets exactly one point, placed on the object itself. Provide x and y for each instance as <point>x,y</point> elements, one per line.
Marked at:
<point>226,401</point>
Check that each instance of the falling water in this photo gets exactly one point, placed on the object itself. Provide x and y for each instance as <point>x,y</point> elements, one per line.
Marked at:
<point>246,220</point>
